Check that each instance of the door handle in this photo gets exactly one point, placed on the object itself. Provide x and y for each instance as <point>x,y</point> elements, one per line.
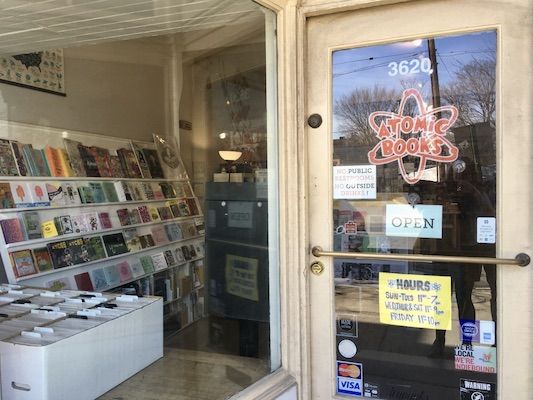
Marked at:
<point>521,259</point>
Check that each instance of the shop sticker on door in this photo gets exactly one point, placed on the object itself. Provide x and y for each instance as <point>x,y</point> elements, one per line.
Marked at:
<point>417,301</point>
<point>422,136</point>
<point>419,221</point>
<point>482,332</point>
<point>241,277</point>
<point>349,378</point>
<point>354,182</point>
<point>486,230</point>
<point>475,358</point>
<point>476,390</point>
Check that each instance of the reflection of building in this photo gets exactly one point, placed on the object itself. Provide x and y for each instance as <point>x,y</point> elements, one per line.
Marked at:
<point>477,143</point>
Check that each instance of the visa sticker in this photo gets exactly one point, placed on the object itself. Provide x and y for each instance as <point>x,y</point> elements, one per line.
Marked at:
<point>349,378</point>
<point>474,331</point>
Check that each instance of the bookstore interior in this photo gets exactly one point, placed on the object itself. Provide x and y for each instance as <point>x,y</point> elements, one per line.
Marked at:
<point>138,208</point>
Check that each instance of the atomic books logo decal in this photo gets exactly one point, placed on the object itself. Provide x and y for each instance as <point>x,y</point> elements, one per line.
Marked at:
<point>421,136</point>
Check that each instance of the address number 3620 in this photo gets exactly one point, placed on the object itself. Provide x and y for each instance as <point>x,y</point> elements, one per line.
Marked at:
<point>407,67</point>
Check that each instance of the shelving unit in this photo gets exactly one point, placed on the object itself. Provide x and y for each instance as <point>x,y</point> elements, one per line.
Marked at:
<point>175,252</point>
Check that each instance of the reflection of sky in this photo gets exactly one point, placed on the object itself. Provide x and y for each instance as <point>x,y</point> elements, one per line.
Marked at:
<point>366,67</point>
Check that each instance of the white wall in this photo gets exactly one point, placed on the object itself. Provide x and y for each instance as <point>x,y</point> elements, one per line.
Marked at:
<point>116,89</point>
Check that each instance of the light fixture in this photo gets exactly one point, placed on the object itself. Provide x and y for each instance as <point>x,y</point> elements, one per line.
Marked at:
<point>228,155</point>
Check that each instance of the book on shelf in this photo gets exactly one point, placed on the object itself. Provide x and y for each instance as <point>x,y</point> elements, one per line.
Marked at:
<point>188,229</point>
<point>137,269</point>
<point>198,273</point>
<point>159,261</point>
<point>135,216</point>
<point>179,255</point>
<point>42,259</point>
<point>147,190</point>
<point>53,159</point>
<point>97,192</point>
<point>192,251</point>
<point>153,163</point>
<point>158,193</point>
<point>147,264</point>
<point>79,251</point>
<point>123,191</point>
<point>116,168</point>
<point>40,163</point>
<point>55,194</point>
<point>95,247</point>
<point>8,164</point>
<point>6,197</point>
<point>39,194</point>
<point>105,220</point>
<point>19,158</point>
<point>12,230</point>
<point>98,279</point>
<point>89,164</point>
<point>168,190</point>
<point>114,244</point>
<point>169,258</point>
<point>102,159</point>
<point>70,193</point>
<point>165,213</point>
<point>49,229</point>
<point>146,241</point>
<point>111,275</point>
<point>64,225</point>
<point>193,207</point>
<point>23,264</point>
<point>27,154</point>
<point>110,192</point>
<point>86,193</point>
<point>169,158</point>
<point>144,212</point>
<point>200,226</point>
<point>124,271</point>
<point>154,214</point>
<point>131,237</point>
<point>59,283</point>
<point>128,161</point>
<point>141,159</point>
<point>65,162</point>
<point>61,255</point>
<point>74,156</point>
<point>159,235</point>
<point>83,281</point>
<point>32,224</point>
<point>173,232</point>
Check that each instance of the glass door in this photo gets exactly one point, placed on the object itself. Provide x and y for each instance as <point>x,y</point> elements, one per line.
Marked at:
<point>407,187</point>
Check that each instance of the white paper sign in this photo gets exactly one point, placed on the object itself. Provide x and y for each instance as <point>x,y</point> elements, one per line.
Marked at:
<point>354,182</point>
<point>486,230</point>
<point>420,221</point>
<point>240,214</point>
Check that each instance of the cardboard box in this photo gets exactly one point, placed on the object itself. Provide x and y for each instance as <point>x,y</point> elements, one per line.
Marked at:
<point>88,364</point>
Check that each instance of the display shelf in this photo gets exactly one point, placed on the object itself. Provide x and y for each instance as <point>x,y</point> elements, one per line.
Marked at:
<point>35,242</point>
<point>106,259</point>
<point>181,298</point>
<point>5,178</point>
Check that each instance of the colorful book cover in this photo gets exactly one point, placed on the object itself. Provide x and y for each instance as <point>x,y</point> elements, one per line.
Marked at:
<point>23,263</point>
<point>70,191</point>
<point>200,227</point>
<point>169,156</point>
<point>86,194</point>
<point>65,162</point>
<point>21,194</point>
<point>74,156</point>
<point>54,161</point>
<point>148,191</point>
<point>98,193</point>
<point>21,164</point>
<point>137,269</point>
<point>158,193</point>
<point>110,192</point>
<point>137,191</point>
<point>154,214</point>
<point>49,229</point>
<point>42,259</point>
<point>153,163</point>
<point>143,164</point>
<point>78,251</point>
<point>95,248</point>
<point>186,252</point>
<point>8,164</point>
<point>168,190</point>
<point>55,194</point>
<point>13,230</point>
<point>32,224</point>
<point>122,191</point>
<point>173,205</point>
<point>83,282</point>
<point>64,225</point>
<point>91,221</point>
<point>165,213</point>
<point>88,161</point>
<point>116,168</point>
<point>159,261</point>
<point>115,244</point>
<point>6,197</point>
<point>145,214</point>
<point>192,251</point>
<point>111,275</point>
<point>173,232</point>
<point>102,158</point>
<point>58,284</point>
<point>78,223</point>
<point>27,153</point>
<point>131,237</point>
<point>135,217</point>
<point>39,195</point>
<point>193,208</point>
<point>188,229</point>
<point>124,271</point>
<point>40,163</point>
<point>98,279</point>
<point>61,255</point>
<point>146,241</point>
<point>184,209</point>
<point>128,161</point>
<point>179,188</point>
<point>159,235</point>
<point>169,258</point>
<point>124,216</point>
<point>105,220</point>
<point>147,264</point>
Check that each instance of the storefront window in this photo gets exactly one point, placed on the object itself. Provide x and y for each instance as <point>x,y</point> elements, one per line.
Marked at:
<point>139,207</point>
<point>415,173</point>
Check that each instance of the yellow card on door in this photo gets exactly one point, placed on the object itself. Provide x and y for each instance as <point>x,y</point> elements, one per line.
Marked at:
<point>417,301</point>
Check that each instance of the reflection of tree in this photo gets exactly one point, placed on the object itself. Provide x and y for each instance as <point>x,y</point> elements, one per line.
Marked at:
<point>473,92</point>
<point>353,110</point>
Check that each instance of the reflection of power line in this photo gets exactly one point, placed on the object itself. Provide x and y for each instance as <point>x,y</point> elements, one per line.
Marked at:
<point>379,57</point>
<point>382,64</point>
<point>443,63</point>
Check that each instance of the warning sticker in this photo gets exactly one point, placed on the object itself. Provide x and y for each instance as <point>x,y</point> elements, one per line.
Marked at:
<point>476,390</point>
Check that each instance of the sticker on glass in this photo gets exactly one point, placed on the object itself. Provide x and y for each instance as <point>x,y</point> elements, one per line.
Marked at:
<point>419,221</point>
<point>482,332</point>
<point>349,378</point>
<point>354,182</point>
<point>477,390</point>
<point>475,358</point>
<point>486,230</point>
<point>347,348</point>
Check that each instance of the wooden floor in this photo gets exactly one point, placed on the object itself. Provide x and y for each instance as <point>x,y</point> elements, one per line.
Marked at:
<point>190,374</point>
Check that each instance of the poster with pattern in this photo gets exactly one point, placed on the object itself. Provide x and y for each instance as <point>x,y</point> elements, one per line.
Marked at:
<point>43,70</point>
